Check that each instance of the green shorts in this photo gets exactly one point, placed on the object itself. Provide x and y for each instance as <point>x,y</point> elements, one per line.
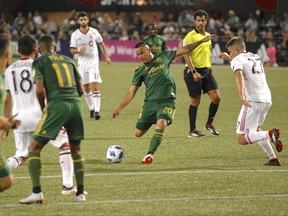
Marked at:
<point>60,114</point>
<point>152,111</point>
<point>4,168</point>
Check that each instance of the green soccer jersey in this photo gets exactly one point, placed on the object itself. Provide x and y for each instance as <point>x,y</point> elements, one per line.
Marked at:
<point>59,80</point>
<point>157,43</point>
<point>157,77</point>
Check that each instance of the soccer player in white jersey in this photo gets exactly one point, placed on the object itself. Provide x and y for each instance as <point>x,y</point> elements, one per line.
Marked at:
<point>84,42</point>
<point>21,91</point>
<point>255,96</point>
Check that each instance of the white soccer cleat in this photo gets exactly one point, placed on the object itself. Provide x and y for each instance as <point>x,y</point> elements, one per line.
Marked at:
<point>71,191</point>
<point>81,198</point>
<point>36,198</point>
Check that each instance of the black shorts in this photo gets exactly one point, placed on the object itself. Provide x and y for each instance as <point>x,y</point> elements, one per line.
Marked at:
<point>207,83</point>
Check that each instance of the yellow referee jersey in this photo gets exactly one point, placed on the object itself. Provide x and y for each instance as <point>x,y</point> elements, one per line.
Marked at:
<point>200,56</point>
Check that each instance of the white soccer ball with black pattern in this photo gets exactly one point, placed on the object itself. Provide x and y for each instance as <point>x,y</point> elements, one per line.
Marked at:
<point>115,154</point>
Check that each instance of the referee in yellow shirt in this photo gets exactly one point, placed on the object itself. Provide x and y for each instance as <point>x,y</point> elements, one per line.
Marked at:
<point>198,76</point>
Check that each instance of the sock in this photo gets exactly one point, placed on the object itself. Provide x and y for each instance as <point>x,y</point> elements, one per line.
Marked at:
<point>96,100</point>
<point>267,148</point>
<point>34,167</point>
<point>192,117</point>
<point>255,136</point>
<point>212,112</point>
<point>155,141</point>
<point>88,97</point>
<point>79,172</point>
<point>14,162</point>
<point>67,168</point>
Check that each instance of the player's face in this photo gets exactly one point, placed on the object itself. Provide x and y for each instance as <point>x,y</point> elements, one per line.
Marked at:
<point>83,21</point>
<point>200,23</point>
<point>152,31</point>
<point>233,51</point>
<point>144,53</point>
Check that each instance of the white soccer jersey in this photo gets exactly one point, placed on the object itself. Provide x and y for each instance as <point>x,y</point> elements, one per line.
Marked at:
<point>256,87</point>
<point>90,58</point>
<point>19,81</point>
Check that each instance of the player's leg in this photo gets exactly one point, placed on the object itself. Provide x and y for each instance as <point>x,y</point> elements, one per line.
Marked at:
<point>22,141</point>
<point>34,167</point>
<point>96,97</point>
<point>89,99</point>
<point>194,90</point>
<point>210,86</point>
<point>6,178</point>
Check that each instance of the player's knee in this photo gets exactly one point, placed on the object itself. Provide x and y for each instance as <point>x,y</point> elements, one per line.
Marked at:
<point>240,138</point>
<point>139,133</point>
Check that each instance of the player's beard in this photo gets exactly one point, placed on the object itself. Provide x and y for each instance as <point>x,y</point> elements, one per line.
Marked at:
<point>84,25</point>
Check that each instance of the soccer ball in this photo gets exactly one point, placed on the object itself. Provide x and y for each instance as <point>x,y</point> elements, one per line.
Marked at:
<point>115,154</point>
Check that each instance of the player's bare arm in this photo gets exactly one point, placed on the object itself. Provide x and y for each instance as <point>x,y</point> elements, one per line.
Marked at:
<point>40,92</point>
<point>225,56</point>
<point>239,79</point>
<point>104,51</point>
<point>189,47</point>
<point>126,100</point>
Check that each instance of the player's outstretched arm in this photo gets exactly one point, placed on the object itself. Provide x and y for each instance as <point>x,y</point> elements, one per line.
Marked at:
<point>126,100</point>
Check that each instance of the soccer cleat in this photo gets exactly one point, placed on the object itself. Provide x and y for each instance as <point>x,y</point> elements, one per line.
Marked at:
<point>148,159</point>
<point>81,198</point>
<point>97,115</point>
<point>195,133</point>
<point>91,113</point>
<point>69,191</point>
<point>275,138</point>
<point>33,198</point>
<point>212,129</point>
<point>273,162</point>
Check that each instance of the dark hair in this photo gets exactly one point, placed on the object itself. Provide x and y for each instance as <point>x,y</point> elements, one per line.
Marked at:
<point>4,43</point>
<point>46,39</point>
<point>200,13</point>
<point>82,14</point>
<point>26,45</point>
<point>139,44</point>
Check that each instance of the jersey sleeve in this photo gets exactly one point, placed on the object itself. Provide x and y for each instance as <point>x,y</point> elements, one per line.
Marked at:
<point>236,64</point>
<point>36,70</point>
<point>170,55</point>
<point>73,40</point>
<point>6,79</point>
<point>138,78</point>
<point>99,38</point>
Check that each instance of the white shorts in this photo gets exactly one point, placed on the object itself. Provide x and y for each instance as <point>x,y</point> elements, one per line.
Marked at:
<point>90,76</point>
<point>250,118</point>
<point>23,140</point>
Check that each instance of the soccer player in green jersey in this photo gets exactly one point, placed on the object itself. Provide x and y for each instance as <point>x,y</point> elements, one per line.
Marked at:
<point>6,177</point>
<point>160,97</point>
<point>57,79</point>
<point>156,42</point>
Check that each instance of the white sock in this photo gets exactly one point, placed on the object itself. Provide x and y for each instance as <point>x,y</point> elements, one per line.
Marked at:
<point>255,136</point>
<point>66,164</point>
<point>14,161</point>
<point>267,148</point>
<point>88,97</point>
<point>96,100</point>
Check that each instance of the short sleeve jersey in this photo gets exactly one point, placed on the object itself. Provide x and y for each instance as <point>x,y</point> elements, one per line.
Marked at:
<point>157,43</point>
<point>256,87</point>
<point>200,55</point>
<point>157,77</point>
<point>59,73</point>
<point>89,39</point>
<point>2,94</point>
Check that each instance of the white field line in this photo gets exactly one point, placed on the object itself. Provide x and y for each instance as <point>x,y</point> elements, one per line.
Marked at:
<point>263,196</point>
<point>163,173</point>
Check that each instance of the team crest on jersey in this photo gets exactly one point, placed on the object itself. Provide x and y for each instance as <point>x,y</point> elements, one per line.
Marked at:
<point>159,59</point>
<point>90,43</point>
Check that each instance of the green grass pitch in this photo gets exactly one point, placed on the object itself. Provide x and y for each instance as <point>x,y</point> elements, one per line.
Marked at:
<point>206,176</point>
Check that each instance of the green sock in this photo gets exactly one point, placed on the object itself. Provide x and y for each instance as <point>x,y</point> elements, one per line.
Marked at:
<point>156,140</point>
<point>79,172</point>
<point>34,166</point>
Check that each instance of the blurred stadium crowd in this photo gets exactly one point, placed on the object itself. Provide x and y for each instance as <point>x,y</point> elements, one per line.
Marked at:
<point>128,26</point>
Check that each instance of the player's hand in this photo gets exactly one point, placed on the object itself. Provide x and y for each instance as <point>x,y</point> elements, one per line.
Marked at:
<point>115,114</point>
<point>245,102</point>
<point>82,49</point>
<point>15,123</point>
<point>108,60</point>
<point>225,56</point>
<point>197,76</point>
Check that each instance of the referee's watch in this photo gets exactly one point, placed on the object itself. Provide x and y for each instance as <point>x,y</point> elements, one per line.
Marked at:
<point>194,71</point>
